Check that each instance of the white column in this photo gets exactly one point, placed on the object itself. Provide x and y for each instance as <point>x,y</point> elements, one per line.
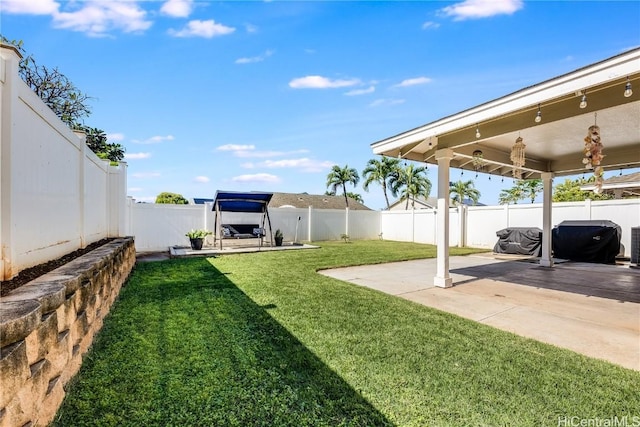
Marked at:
<point>546,260</point>
<point>442,278</point>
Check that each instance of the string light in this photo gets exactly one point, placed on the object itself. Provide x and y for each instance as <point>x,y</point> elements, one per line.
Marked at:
<point>478,132</point>
<point>627,89</point>
<point>583,102</point>
<point>538,118</point>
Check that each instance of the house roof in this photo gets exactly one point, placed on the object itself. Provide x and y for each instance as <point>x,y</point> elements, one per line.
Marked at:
<point>556,143</point>
<point>304,200</point>
<point>317,201</point>
<point>629,184</point>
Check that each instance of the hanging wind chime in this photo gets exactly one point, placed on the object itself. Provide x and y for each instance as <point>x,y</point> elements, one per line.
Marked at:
<point>478,161</point>
<point>517,157</point>
<point>593,154</point>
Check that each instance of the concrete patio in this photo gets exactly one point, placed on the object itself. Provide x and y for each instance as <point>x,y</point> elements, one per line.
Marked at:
<point>592,309</point>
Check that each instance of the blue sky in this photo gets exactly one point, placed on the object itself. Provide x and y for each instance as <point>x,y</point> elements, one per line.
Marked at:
<point>269,95</point>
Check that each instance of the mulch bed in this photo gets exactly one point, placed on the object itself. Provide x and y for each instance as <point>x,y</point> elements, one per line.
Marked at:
<point>31,273</point>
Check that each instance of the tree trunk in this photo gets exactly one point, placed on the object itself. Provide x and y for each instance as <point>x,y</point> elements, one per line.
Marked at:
<point>386,198</point>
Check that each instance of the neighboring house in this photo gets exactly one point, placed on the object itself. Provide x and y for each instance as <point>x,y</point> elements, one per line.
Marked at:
<point>623,186</point>
<point>304,200</point>
<point>428,203</point>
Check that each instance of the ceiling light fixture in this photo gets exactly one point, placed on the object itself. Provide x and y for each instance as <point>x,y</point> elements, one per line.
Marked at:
<point>627,89</point>
<point>583,102</point>
<point>538,118</point>
<point>478,132</point>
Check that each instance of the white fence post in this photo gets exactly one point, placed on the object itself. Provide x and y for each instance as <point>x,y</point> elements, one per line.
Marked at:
<point>116,199</point>
<point>346,220</point>
<point>413,224</point>
<point>82,159</point>
<point>462,226</point>
<point>309,226</point>
<point>506,215</point>
<point>9,61</point>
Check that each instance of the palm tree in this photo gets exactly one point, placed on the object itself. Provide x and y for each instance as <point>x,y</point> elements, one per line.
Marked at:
<point>340,177</point>
<point>355,196</point>
<point>530,188</point>
<point>380,171</point>
<point>461,190</point>
<point>410,182</point>
<point>512,195</point>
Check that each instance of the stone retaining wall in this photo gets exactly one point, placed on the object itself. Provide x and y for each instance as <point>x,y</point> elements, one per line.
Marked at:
<point>47,325</point>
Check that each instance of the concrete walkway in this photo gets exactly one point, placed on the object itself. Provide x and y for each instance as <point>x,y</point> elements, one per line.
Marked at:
<point>596,326</point>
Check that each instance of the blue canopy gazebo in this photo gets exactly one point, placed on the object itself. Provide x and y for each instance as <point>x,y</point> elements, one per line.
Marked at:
<point>253,202</point>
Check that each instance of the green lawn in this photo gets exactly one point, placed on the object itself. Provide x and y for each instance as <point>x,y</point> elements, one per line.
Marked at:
<point>263,340</point>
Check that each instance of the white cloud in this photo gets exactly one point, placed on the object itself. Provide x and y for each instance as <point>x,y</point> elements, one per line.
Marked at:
<point>235,147</point>
<point>98,17</point>
<point>29,7</point>
<point>202,179</point>
<point>265,154</point>
<point>136,156</point>
<point>146,175</point>
<point>430,24</point>
<point>304,164</point>
<point>206,29</point>
<point>115,137</point>
<point>355,92</point>
<point>414,82</point>
<point>475,9</point>
<point>250,28</point>
<point>381,102</point>
<point>253,59</point>
<point>177,8</point>
<point>154,139</point>
<point>319,82</point>
<point>258,177</point>
<point>134,189</point>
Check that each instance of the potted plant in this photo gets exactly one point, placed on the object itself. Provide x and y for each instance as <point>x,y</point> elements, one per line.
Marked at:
<point>196,238</point>
<point>278,237</point>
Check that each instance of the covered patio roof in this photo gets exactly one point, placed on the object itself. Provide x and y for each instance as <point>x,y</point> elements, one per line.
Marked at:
<point>555,144</point>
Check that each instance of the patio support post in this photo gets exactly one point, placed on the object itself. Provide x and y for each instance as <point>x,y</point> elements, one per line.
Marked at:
<point>546,260</point>
<point>442,278</point>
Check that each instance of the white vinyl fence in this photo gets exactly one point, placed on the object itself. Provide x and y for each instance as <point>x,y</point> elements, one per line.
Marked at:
<point>157,227</point>
<point>56,195</point>
<point>477,225</point>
